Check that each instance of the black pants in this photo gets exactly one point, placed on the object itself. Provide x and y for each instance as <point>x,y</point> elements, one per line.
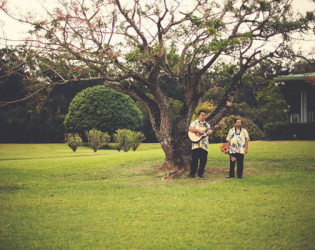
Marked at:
<point>239,160</point>
<point>196,155</point>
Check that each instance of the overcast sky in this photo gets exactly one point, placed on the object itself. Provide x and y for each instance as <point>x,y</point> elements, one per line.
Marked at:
<point>14,30</point>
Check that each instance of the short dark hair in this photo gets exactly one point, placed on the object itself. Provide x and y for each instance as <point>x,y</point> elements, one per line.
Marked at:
<point>236,119</point>
<point>202,111</point>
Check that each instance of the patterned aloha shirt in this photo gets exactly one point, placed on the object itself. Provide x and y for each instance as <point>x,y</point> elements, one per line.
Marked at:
<point>237,140</point>
<point>204,142</point>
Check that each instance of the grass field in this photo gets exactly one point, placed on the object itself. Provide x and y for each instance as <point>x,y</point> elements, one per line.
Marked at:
<point>53,198</point>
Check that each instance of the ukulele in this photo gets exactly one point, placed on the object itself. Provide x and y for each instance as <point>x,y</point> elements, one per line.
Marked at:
<point>196,137</point>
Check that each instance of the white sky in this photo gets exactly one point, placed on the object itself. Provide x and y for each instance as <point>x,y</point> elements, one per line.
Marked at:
<point>13,30</point>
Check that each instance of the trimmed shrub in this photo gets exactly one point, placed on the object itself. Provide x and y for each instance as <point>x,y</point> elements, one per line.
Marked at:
<point>126,139</point>
<point>289,131</point>
<point>253,130</point>
<point>136,139</point>
<point>97,139</point>
<point>73,141</point>
<point>103,109</point>
<point>121,139</point>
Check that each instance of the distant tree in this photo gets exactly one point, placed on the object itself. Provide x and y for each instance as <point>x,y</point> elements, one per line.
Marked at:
<point>37,119</point>
<point>260,100</point>
<point>16,119</point>
<point>206,106</point>
<point>103,109</point>
<point>303,66</point>
<point>255,98</point>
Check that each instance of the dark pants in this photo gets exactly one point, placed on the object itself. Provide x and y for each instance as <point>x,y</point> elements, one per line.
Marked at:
<point>196,155</point>
<point>239,160</point>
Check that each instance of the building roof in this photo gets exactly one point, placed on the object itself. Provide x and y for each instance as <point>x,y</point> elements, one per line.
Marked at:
<point>295,77</point>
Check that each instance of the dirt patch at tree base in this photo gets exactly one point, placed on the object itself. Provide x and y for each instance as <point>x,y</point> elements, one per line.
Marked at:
<point>216,170</point>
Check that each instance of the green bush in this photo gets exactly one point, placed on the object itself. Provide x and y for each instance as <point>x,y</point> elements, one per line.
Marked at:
<point>253,130</point>
<point>97,139</point>
<point>126,139</point>
<point>121,139</point>
<point>73,141</point>
<point>103,109</point>
<point>136,139</point>
<point>289,131</point>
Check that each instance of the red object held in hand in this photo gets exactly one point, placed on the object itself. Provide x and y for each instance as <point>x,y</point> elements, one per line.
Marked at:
<point>225,148</point>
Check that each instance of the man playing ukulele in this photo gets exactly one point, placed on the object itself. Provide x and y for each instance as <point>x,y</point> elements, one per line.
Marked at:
<point>200,149</point>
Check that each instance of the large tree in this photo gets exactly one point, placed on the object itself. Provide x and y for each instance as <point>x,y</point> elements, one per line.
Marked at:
<point>141,41</point>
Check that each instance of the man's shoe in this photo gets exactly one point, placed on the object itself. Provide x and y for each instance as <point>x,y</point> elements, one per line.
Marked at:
<point>201,176</point>
<point>230,177</point>
<point>191,176</point>
<point>241,177</point>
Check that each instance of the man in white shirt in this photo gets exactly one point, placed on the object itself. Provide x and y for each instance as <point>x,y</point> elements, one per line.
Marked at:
<point>200,149</point>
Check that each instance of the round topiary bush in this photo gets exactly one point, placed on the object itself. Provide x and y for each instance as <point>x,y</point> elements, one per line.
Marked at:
<point>103,109</point>
<point>253,130</point>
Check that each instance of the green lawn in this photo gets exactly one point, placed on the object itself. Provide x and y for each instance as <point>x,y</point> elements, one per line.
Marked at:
<point>53,198</point>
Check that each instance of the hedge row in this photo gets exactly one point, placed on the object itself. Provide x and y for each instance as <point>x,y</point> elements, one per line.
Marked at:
<point>289,131</point>
<point>272,131</point>
<point>123,138</point>
<point>228,122</point>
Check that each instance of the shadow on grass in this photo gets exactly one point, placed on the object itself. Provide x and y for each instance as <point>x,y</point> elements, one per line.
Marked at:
<point>9,189</point>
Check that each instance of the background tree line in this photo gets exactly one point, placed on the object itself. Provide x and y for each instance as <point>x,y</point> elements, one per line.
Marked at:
<point>41,119</point>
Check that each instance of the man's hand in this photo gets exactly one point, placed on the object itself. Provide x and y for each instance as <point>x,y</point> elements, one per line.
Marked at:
<point>211,131</point>
<point>198,131</point>
<point>201,132</point>
<point>246,147</point>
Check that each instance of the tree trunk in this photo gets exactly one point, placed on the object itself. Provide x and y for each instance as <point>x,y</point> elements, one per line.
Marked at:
<point>177,152</point>
<point>176,145</point>
<point>222,108</point>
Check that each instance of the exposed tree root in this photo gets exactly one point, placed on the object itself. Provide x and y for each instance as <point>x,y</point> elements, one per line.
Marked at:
<point>173,174</point>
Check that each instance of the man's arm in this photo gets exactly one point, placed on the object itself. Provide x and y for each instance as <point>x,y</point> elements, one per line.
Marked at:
<point>246,147</point>
<point>194,130</point>
<point>232,157</point>
<point>246,142</point>
<point>211,131</point>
